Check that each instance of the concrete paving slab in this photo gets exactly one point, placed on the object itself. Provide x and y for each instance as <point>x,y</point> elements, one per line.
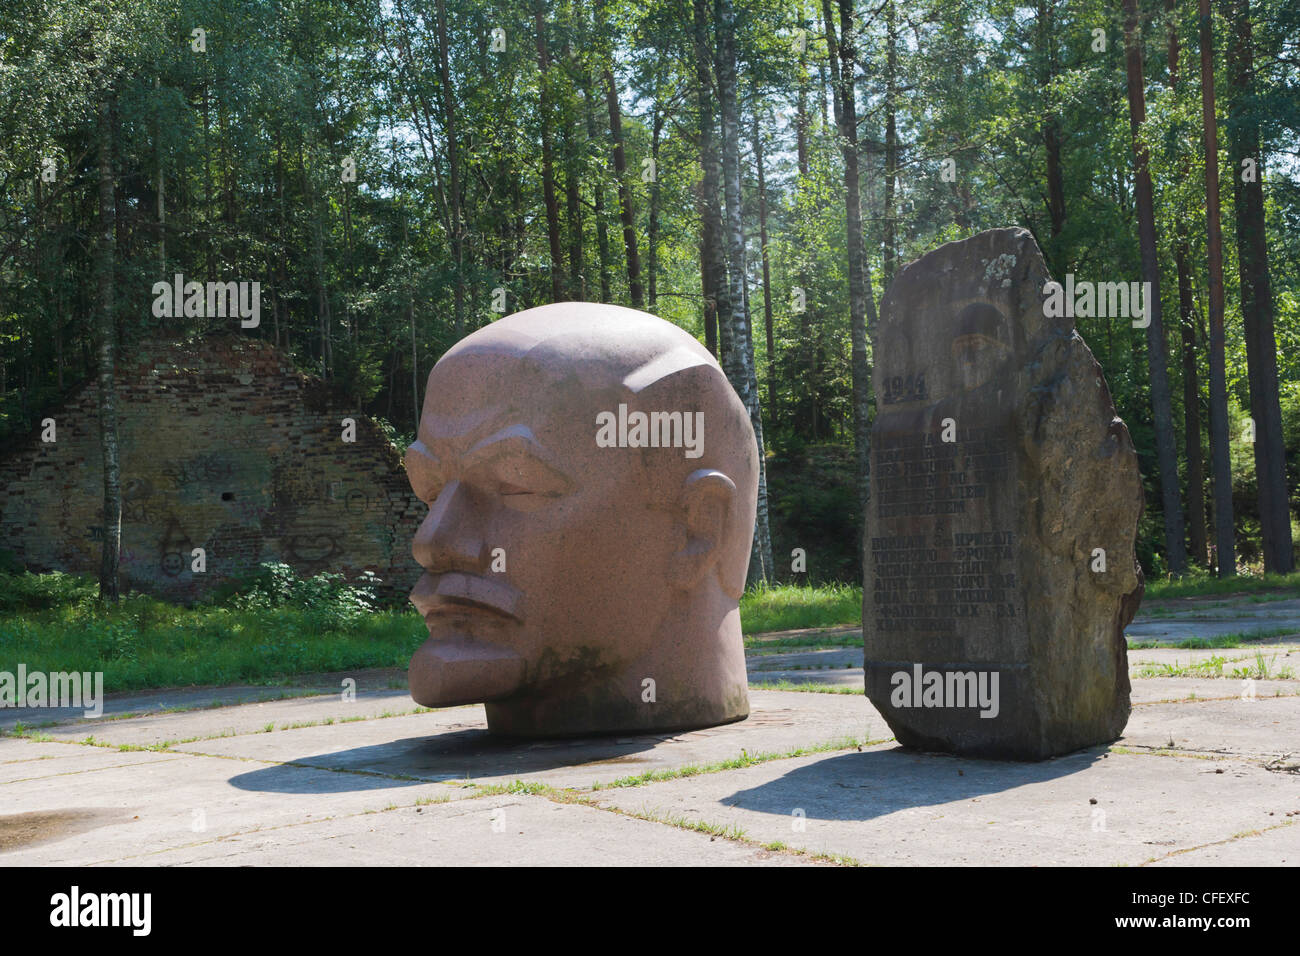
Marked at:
<point>1279,845</point>
<point>367,681</point>
<point>22,748</point>
<point>1204,626</point>
<point>1261,728</point>
<point>455,745</point>
<point>328,793</point>
<point>1221,607</point>
<point>890,806</point>
<point>1166,689</point>
<point>55,763</point>
<point>163,801</point>
<point>249,718</point>
<point>504,830</point>
<point>1276,654</point>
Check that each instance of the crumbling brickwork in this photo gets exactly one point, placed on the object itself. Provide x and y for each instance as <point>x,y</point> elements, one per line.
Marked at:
<point>225,447</point>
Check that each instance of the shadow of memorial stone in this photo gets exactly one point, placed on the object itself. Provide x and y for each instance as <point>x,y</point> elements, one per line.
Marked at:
<point>865,786</point>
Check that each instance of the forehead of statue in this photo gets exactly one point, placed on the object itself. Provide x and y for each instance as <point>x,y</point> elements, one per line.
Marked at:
<point>525,382</point>
<point>475,398</point>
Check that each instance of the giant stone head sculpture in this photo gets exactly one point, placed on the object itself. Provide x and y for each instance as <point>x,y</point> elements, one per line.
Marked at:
<point>591,479</point>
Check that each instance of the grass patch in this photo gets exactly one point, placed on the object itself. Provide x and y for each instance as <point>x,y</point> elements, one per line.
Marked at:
<point>1199,583</point>
<point>761,647</point>
<point>784,684</point>
<point>1260,667</point>
<point>1263,668</point>
<point>786,607</point>
<point>1222,642</point>
<point>146,643</point>
<point>1211,667</point>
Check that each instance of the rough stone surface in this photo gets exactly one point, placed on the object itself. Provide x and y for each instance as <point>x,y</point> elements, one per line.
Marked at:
<point>223,447</point>
<point>999,468</point>
<point>592,480</point>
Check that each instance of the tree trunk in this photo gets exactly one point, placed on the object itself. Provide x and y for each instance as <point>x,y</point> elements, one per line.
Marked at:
<point>548,167</point>
<point>1225,550</point>
<point>890,265</point>
<point>453,163</point>
<point>1192,449</point>
<point>801,116</point>
<point>712,269</point>
<point>627,213</point>
<point>808,347</point>
<point>740,367</point>
<point>1196,532</point>
<point>1161,405</point>
<point>1257,300</point>
<point>652,228</point>
<point>573,198</point>
<point>598,189</point>
<point>324,319</point>
<point>112,543</point>
<point>767,271</point>
<point>410,321</point>
<point>573,213</point>
<point>159,191</point>
<point>1051,128</point>
<point>862,306</point>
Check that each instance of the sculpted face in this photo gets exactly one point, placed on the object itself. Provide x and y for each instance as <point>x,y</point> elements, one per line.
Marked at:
<point>563,572</point>
<point>978,359</point>
<point>977,347</point>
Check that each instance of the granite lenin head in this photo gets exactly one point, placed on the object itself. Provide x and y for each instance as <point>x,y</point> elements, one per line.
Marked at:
<point>591,479</point>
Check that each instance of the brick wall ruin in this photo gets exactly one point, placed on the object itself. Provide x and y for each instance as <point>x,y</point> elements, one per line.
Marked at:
<point>225,447</point>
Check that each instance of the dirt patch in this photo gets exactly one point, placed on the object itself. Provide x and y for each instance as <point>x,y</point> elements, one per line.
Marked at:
<point>18,830</point>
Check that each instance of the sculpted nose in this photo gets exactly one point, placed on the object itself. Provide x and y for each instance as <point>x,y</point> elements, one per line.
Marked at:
<point>449,539</point>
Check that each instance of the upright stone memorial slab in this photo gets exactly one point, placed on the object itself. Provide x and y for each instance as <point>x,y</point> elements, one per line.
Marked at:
<point>999,557</point>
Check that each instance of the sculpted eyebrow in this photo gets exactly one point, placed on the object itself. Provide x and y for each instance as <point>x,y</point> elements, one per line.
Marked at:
<point>517,440</point>
<point>422,467</point>
<point>517,443</point>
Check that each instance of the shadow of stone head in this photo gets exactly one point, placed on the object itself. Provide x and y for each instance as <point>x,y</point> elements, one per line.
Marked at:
<point>472,754</point>
<point>863,786</point>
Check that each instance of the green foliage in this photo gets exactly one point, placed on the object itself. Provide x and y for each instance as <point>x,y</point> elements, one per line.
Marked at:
<point>329,596</point>
<point>284,627</point>
<point>1200,582</point>
<point>37,592</point>
<point>813,505</point>
<point>787,607</point>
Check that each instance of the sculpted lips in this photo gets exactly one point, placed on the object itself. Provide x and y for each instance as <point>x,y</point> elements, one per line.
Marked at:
<point>456,592</point>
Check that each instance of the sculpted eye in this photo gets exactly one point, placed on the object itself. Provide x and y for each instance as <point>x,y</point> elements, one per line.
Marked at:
<point>509,490</point>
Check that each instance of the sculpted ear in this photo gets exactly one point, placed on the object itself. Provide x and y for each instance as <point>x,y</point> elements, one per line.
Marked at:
<point>706,504</point>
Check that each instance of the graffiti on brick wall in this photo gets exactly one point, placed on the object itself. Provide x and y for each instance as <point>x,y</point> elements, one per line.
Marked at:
<point>141,503</point>
<point>201,468</point>
<point>251,472</point>
<point>173,548</point>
